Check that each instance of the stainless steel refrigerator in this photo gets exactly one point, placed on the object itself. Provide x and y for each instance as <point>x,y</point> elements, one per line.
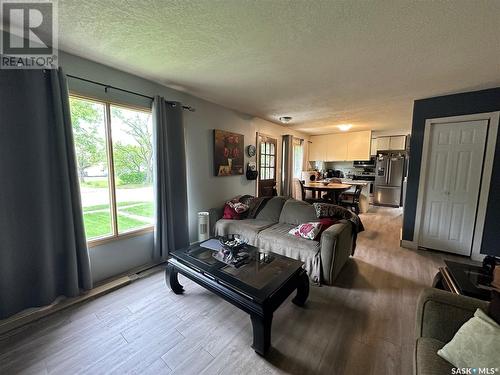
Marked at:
<point>389,173</point>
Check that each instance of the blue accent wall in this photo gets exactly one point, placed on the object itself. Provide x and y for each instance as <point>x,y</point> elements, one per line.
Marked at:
<point>444,106</point>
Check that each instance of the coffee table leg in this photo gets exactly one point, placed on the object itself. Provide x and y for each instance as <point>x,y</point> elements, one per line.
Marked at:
<point>171,279</point>
<point>302,290</point>
<point>261,333</point>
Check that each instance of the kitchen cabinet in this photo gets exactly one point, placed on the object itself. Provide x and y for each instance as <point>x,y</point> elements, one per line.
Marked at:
<point>397,142</point>
<point>336,147</point>
<point>358,145</point>
<point>317,148</point>
<point>383,143</point>
<point>340,146</point>
<point>373,147</point>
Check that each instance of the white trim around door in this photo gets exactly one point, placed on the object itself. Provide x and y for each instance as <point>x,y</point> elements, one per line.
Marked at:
<point>493,123</point>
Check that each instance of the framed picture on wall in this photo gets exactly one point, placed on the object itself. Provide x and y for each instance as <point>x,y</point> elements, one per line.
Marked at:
<point>228,153</point>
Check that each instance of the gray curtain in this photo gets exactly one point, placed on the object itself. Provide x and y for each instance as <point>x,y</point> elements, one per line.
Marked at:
<point>171,231</point>
<point>287,167</point>
<point>43,251</point>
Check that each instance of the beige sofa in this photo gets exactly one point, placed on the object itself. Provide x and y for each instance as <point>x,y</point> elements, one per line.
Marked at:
<point>323,259</point>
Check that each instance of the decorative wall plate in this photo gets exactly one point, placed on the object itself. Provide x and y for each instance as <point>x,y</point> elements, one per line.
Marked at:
<point>251,150</point>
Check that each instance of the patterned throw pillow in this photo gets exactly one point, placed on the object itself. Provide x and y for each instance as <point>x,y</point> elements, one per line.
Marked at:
<point>233,210</point>
<point>330,210</point>
<point>308,231</point>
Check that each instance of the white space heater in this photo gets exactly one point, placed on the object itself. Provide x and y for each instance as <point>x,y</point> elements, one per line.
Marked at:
<point>203,226</point>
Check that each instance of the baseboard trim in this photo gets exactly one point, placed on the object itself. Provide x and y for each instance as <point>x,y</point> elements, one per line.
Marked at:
<point>408,244</point>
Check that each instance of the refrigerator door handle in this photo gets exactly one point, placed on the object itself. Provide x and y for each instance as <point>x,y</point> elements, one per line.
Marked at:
<point>388,175</point>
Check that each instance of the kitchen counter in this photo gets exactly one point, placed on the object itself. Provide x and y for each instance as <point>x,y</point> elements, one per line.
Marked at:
<point>350,181</point>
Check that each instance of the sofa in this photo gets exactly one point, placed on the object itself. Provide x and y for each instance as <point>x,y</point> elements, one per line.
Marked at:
<point>439,316</point>
<point>323,258</point>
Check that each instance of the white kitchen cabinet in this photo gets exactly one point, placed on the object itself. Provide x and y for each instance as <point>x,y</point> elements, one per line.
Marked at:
<point>383,143</point>
<point>397,143</point>
<point>340,146</point>
<point>373,147</point>
<point>317,148</point>
<point>336,147</point>
<point>358,145</point>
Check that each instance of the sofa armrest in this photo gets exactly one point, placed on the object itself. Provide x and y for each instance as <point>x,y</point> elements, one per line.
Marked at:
<point>440,314</point>
<point>336,246</point>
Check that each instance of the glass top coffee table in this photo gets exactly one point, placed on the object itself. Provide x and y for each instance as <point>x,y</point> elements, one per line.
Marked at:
<point>258,287</point>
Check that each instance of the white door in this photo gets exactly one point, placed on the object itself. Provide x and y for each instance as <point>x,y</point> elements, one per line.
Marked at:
<point>454,170</point>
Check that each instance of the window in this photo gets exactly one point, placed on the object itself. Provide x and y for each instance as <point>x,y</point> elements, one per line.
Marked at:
<point>267,159</point>
<point>114,152</point>
<point>298,154</point>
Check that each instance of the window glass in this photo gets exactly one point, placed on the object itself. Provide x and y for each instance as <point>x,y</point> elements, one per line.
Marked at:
<point>131,166</point>
<point>132,136</point>
<point>89,133</point>
<point>297,160</point>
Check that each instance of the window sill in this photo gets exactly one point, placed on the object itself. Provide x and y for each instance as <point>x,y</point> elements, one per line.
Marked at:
<point>121,236</point>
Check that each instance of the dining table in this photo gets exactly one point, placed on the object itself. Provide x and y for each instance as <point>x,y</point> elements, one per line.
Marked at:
<point>333,189</point>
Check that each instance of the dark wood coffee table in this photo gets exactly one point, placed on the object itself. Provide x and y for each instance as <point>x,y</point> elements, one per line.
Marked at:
<point>258,288</point>
<point>463,278</point>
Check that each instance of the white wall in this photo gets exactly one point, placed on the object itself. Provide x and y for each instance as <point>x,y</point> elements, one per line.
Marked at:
<point>204,189</point>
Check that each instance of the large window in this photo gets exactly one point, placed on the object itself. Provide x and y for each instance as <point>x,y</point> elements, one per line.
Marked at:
<point>114,153</point>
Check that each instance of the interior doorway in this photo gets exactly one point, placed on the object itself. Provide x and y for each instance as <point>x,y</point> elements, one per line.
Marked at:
<point>267,149</point>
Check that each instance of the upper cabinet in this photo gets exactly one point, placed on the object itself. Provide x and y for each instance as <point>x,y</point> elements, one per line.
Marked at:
<point>317,148</point>
<point>336,146</point>
<point>397,142</point>
<point>340,147</point>
<point>358,145</point>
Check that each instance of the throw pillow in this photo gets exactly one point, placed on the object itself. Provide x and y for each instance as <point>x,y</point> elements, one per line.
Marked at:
<point>308,231</point>
<point>326,223</point>
<point>233,210</point>
<point>494,307</point>
<point>331,210</point>
<point>476,343</point>
<point>230,213</point>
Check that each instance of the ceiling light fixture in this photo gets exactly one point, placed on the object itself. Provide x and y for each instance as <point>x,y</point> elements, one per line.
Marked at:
<point>285,119</point>
<point>344,127</point>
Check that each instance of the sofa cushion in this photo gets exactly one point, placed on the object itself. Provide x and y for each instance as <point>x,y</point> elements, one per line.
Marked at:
<point>272,209</point>
<point>247,228</point>
<point>276,239</point>
<point>297,212</point>
<point>426,359</point>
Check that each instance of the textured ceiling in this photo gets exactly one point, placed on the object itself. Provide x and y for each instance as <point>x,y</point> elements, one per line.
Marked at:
<point>322,62</point>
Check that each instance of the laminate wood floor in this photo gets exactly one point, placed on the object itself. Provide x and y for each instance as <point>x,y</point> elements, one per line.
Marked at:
<point>363,325</point>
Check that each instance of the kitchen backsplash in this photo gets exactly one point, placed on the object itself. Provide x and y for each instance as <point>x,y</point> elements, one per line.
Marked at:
<point>345,167</point>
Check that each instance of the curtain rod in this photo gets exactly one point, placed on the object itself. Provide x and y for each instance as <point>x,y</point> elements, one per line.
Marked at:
<point>106,87</point>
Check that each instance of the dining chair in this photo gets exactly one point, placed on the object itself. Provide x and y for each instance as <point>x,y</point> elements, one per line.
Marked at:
<point>303,193</point>
<point>351,200</point>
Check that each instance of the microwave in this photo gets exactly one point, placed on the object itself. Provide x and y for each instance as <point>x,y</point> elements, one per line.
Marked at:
<point>364,163</point>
